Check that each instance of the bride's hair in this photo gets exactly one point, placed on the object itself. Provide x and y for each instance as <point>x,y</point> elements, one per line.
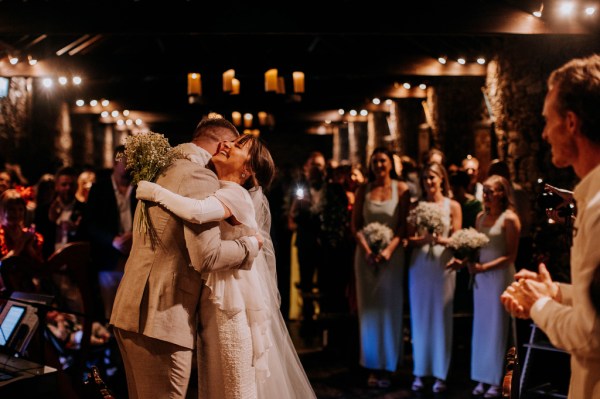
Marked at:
<point>260,162</point>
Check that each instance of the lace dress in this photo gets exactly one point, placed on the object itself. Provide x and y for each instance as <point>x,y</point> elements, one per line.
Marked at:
<point>431,294</point>
<point>490,320</point>
<point>380,293</point>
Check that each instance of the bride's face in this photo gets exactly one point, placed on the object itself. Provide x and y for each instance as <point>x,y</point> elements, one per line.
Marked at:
<point>231,160</point>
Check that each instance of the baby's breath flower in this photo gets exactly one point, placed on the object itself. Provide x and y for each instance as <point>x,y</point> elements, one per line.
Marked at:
<point>378,236</point>
<point>146,155</point>
<point>428,216</point>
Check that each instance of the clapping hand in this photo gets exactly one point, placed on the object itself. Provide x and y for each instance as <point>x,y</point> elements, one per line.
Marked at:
<point>519,297</point>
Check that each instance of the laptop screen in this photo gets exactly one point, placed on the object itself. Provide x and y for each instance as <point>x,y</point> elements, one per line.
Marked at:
<point>10,323</point>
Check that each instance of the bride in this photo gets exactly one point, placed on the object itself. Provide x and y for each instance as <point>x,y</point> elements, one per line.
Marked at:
<point>244,348</point>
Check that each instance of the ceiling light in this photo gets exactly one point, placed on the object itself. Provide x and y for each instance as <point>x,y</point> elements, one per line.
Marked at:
<point>32,61</point>
<point>376,101</point>
<point>567,8</point>
<point>364,112</point>
<point>105,103</point>
<point>126,112</point>
<point>422,86</point>
<point>13,60</point>
<point>406,86</point>
<point>341,111</point>
<point>120,122</point>
<point>442,60</point>
<point>129,122</point>
<point>47,82</point>
<point>461,61</point>
<point>590,10</point>
<point>138,121</point>
<point>537,14</point>
<point>62,80</point>
<point>353,112</point>
<point>93,103</point>
<point>104,114</point>
<point>114,114</point>
<point>388,102</point>
<point>76,80</point>
<point>80,103</point>
<point>481,60</point>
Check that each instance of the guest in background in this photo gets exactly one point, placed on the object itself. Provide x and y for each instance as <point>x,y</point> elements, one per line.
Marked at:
<point>492,274</point>
<point>469,205</point>
<point>58,221</point>
<point>108,221</point>
<point>431,285</point>
<point>471,165</point>
<point>5,181</point>
<point>15,238</point>
<point>305,219</point>
<point>410,174</point>
<point>434,155</point>
<point>84,184</point>
<point>379,275</point>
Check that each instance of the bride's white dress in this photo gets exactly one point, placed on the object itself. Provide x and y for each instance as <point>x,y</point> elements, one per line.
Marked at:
<point>244,348</point>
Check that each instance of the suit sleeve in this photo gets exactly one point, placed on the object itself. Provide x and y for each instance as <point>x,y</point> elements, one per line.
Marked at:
<point>205,248</point>
<point>574,325</point>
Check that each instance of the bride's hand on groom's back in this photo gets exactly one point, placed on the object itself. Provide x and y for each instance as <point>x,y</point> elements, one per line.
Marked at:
<point>260,240</point>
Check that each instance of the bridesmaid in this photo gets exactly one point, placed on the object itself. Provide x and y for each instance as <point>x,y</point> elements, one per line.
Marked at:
<point>431,285</point>
<point>380,276</point>
<point>492,274</point>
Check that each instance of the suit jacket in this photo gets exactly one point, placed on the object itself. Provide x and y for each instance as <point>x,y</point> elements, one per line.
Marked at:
<point>101,222</point>
<point>160,290</point>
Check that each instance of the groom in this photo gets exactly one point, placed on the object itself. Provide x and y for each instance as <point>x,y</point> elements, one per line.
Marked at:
<point>155,310</point>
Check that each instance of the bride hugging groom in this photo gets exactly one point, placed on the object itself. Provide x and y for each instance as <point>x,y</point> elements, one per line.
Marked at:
<point>215,269</point>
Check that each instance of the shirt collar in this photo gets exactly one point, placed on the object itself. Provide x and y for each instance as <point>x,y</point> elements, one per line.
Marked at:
<point>195,153</point>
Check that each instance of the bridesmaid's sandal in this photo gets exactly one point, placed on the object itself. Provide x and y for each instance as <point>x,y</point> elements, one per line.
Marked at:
<point>439,386</point>
<point>493,391</point>
<point>417,385</point>
<point>478,390</point>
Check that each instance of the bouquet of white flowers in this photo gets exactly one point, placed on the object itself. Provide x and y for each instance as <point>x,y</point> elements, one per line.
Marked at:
<point>378,236</point>
<point>427,216</point>
<point>146,155</point>
<point>466,243</point>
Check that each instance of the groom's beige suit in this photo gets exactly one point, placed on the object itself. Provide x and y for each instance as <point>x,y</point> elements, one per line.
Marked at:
<point>155,310</point>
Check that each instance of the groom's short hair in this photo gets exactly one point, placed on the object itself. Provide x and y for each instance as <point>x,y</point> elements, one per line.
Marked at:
<point>215,129</point>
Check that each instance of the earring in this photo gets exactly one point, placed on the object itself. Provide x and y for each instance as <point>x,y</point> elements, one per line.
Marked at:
<point>243,175</point>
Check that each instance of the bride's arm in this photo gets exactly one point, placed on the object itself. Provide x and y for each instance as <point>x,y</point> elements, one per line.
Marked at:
<point>192,210</point>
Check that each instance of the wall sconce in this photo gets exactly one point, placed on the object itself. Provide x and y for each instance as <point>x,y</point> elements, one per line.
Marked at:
<point>236,118</point>
<point>194,87</point>
<point>228,76</point>
<point>298,78</point>
<point>235,87</point>
<point>248,120</point>
<point>280,85</point>
<point>271,80</point>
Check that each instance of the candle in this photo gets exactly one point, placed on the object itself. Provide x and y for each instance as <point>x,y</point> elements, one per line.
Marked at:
<point>262,118</point>
<point>248,120</point>
<point>271,80</point>
<point>236,118</point>
<point>228,76</point>
<point>194,84</point>
<point>298,82</point>
<point>235,86</point>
